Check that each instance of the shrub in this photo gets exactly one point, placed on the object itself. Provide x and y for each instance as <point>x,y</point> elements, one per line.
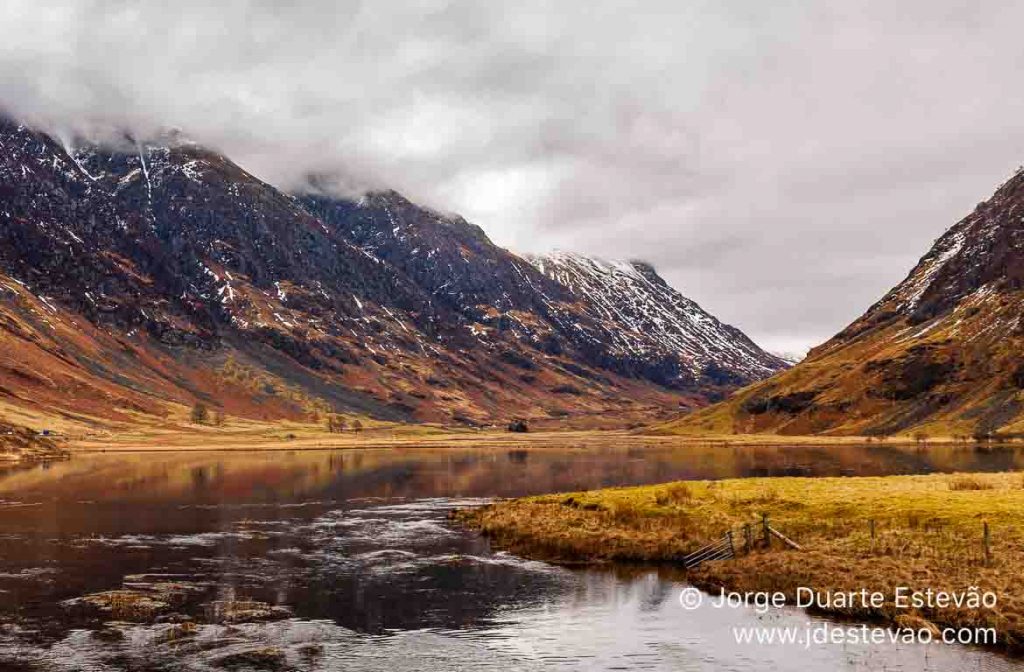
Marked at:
<point>200,414</point>
<point>676,493</point>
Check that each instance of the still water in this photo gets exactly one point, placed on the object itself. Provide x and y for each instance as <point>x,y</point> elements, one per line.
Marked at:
<point>345,560</point>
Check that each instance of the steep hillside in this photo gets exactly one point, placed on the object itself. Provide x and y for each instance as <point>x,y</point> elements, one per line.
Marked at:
<point>142,277</point>
<point>629,323</point>
<point>646,322</point>
<point>940,354</point>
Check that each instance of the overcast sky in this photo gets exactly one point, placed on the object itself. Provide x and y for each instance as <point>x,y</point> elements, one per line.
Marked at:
<point>782,163</point>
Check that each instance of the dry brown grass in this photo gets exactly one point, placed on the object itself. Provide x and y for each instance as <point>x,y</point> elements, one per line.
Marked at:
<point>128,605</point>
<point>676,493</point>
<point>928,534</point>
<point>969,482</point>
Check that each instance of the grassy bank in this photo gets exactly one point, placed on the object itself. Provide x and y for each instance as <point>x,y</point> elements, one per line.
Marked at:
<point>179,434</point>
<point>238,436</point>
<point>928,534</point>
<point>19,445</point>
<point>251,435</point>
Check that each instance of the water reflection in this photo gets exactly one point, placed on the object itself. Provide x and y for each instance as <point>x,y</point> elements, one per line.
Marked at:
<point>354,548</point>
<point>414,473</point>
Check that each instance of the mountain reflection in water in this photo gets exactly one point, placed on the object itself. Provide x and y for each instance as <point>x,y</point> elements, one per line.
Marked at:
<point>326,560</point>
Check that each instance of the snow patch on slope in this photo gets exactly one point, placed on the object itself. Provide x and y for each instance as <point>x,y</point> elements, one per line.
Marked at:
<point>646,317</point>
<point>915,286</point>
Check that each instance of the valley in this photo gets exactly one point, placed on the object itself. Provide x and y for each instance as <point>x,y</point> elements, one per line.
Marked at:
<point>511,337</point>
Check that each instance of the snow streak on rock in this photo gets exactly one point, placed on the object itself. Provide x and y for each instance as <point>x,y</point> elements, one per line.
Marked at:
<point>644,316</point>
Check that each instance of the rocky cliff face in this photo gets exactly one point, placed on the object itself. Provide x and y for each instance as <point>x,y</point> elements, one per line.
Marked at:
<point>144,275</point>
<point>939,354</point>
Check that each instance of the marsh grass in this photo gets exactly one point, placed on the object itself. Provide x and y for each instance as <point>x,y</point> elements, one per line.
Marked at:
<point>969,482</point>
<point>928,534</point>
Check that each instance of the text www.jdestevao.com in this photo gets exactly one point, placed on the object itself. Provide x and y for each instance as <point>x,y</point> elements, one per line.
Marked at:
<point>824,634</point>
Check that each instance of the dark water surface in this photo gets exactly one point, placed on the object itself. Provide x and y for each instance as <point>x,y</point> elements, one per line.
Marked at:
<point>350,556</point>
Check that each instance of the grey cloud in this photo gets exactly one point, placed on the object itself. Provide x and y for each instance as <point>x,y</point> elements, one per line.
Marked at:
<point>782,163</point>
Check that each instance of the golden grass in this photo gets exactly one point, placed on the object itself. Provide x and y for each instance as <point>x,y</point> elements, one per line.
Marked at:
<point>970,482</point>
<point>928,534</point>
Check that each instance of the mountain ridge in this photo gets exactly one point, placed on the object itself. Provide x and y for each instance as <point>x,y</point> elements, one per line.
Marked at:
<point>218,287</point>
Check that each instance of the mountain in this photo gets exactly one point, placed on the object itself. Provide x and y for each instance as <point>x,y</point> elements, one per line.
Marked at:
<point>137,278</point>
<point>940,354</point>
<point>653,327</point>
<point>617,317</point>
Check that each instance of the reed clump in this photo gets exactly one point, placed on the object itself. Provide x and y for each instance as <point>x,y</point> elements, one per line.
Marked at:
<point>969,482</point>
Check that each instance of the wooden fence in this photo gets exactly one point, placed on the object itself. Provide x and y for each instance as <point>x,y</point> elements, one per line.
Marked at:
<point>733,543</point>
<point>727,548</point>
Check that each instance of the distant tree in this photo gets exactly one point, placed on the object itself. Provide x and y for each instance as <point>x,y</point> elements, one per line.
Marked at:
<point>357,426</point>
<point>336,424</point>
<point>218,417</point>
<point>518,426</point>
<point>921,437</point>
<point>200,414</point>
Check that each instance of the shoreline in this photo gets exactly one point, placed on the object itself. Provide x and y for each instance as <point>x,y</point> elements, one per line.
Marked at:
<point>32,447</point>
<point>296,436</point>
<point>878,534</point>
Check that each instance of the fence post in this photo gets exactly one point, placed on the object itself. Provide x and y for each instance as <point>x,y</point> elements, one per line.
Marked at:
<point>767,532</point>
<point>732,548</point>
<point>872,522</point>
<point>988,546</point>
<point>748,537</point>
